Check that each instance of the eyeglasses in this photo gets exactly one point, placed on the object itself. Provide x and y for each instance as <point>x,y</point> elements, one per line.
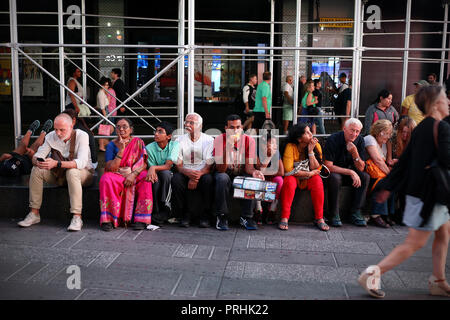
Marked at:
<point>191,122</point>
<point>385,134</point>
<point>122,127</point>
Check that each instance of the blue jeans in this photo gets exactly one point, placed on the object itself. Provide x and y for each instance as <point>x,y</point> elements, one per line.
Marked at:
<point>319,123</point>
<point>385,208</point>
<point>311,121</point>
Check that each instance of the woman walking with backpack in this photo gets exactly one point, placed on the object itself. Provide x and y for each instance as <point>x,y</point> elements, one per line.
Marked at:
<point>427,203</point>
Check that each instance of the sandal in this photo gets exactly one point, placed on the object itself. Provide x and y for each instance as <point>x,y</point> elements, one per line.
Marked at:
<point>283,224</point>
<point>320,223</point>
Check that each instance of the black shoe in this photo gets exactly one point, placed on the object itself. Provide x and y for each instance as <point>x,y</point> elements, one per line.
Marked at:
<point>204,224</point>
<point>389,221</point>
<point>139,226</point>
<point>222,223</point>
<point>184,223</point>
<point>379,222</point>
<point>48,125</point>
<point>33,126</point>
<point>249,223</point>
<point>107,226</point>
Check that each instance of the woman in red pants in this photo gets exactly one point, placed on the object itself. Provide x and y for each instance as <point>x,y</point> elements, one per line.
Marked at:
<point>302,163</point>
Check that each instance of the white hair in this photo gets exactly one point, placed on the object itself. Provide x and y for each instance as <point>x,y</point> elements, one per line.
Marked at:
<point>65,117</point>
<point>354,121</point>
<point>199,117</point>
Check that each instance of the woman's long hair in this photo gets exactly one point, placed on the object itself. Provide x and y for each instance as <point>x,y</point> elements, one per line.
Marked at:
<point>404,122</point>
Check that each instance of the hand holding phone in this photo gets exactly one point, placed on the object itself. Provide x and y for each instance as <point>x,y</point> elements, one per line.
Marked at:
<point>40,159</point>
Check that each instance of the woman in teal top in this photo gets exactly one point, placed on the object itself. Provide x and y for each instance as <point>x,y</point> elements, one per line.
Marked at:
<point>308,100</point>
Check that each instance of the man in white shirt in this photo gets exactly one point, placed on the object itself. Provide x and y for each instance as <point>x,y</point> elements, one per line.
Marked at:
<point>193,180</point>
<point>288,102</point>
<point>78,172</point>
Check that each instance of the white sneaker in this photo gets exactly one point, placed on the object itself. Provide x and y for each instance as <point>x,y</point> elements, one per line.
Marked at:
<point>76,224</point>
<point>29,220</point>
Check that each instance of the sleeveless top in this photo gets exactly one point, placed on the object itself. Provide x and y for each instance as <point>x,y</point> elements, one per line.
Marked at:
<point>78,90</point>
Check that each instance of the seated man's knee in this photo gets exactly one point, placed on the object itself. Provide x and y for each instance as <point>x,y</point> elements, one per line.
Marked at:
<point>207,179</point>
<point>222,178</point>
<point>364,176</point>
<point>165,175</point>
<point>335,179</point>
<point>72,173</point>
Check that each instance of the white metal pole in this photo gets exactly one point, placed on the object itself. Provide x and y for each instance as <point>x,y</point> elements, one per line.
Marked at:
<point>191,44</point>
<point>180,86</point>
<point>298,17</point>
<point>444,45</point>
<point>61,54</point>
<point>83,49</point>
<point>15,72</point>
<point>272,41</point>
<point>406,53</point>
<point>356,58</point>
<point>360,46</point>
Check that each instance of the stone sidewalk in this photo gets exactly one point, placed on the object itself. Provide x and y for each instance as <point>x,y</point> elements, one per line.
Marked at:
<point>194,263</point>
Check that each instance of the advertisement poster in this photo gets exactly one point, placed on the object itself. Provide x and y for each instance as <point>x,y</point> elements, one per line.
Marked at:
<point>33,83</point>
<point>5,72</point>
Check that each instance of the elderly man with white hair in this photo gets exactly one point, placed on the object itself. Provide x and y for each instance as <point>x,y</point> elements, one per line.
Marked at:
<point>193,181</point>
<point>73,167</point>
<point>344,154</point>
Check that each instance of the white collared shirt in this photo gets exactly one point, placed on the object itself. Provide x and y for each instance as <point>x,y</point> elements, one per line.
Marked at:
<point>82,153</point>
<point>196,155</point>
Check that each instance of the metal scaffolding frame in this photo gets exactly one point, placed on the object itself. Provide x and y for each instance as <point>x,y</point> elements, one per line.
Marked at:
<point>190,49</point>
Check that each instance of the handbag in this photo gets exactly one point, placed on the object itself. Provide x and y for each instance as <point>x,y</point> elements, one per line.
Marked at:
<point>60,173</point>
<point>374,172</point>
<point>104,130</point>
<point>439,174</point>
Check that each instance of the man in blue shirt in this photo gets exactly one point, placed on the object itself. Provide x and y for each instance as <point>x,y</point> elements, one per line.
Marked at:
<point>162,154</point>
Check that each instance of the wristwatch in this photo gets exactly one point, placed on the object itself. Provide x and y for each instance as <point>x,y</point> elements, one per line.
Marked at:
<point>59,164</point>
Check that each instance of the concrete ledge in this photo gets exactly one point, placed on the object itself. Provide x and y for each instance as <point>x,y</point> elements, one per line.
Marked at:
<point>15,192</point>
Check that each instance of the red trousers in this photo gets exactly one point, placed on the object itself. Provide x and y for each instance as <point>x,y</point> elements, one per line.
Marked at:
<point>314,185</point>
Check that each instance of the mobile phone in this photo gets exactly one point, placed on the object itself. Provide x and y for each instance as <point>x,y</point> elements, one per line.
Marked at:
<point>40,159</point>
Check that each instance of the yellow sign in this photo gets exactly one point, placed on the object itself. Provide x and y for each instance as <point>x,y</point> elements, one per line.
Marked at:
<point>5,72</point>
<point>336,25</point>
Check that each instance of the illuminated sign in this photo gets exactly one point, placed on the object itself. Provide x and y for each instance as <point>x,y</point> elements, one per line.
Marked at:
<point>336,25</point>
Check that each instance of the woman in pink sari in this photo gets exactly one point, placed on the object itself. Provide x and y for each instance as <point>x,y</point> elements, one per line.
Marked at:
<point>124,180</point>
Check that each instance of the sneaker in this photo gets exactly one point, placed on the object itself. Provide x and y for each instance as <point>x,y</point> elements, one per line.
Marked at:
<point>173,220</point>
<point>204,224</point>
<point>76,224</point>
<point>336,221</point>
<point>184,223</point>
<point>33,126</point>
<point>139,226</point>
<point>48,125</point>
<point>29,220</point>
<point>222,223</point>
<point>358,220</point>
<point>107,226</point>
<point>249,223</point>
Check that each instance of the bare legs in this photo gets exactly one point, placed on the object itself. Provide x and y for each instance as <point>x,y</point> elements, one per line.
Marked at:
<point>415,240</point>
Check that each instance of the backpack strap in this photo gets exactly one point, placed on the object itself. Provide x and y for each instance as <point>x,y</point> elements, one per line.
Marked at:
<point>73,138</point>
